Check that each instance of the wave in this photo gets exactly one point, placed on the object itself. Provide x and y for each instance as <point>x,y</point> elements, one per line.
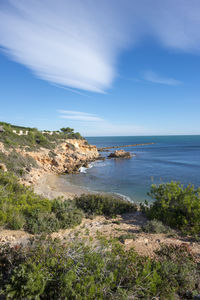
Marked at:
<point>121,196</point>
<point>84,169</point>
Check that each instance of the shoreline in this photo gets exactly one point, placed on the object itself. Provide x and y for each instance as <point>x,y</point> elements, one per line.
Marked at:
<point>53,186</point>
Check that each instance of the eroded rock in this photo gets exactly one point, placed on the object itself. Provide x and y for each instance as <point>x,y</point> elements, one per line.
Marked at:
<point>120,154</point>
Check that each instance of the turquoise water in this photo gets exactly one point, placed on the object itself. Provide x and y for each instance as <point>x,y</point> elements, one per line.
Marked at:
<point>170,158</point>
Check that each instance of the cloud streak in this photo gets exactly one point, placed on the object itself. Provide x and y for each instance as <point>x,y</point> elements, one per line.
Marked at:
<point>76,44</point>
<point>70,43</point>
<point>155,78</point>
<point>93,125</point>
<point>78,116</point>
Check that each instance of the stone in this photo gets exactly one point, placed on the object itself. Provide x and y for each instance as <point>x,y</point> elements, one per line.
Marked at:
<point>128,241</point>
<point>146,241</point>
<point>119,154</point>
<point>3,167</point>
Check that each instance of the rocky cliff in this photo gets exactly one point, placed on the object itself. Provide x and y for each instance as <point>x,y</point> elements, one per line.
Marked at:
<point>67,157</point>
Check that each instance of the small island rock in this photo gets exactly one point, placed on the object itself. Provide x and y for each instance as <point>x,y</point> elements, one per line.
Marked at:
<point>120,153</point>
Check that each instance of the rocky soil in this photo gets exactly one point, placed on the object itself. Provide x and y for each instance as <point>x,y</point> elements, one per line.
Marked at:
<point>126,228</point>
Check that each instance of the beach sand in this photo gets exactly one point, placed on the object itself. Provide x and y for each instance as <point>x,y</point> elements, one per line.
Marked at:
<point>53,186</point>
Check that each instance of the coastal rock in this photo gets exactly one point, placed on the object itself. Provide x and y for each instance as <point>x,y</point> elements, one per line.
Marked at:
<point>119,154</point>
<point>67,157</point>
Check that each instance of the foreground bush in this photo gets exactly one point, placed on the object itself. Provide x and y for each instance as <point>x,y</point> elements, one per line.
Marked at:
<point>46,269</point>
<point>21,208</point>
<point>155,226</point>
<point>97,204</point>
<point>175,206</point>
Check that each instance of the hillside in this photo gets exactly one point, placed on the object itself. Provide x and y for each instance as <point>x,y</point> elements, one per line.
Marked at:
<point>30,153</point>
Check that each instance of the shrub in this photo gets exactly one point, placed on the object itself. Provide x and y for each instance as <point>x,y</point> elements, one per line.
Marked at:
<point>175,206</point>
<point>46,269</point>
<point>17,163</point>
<point>21,208</point>
<point>67,213</point>
<point>155,226</point>
<point>97,204</point>
<point>184,277</point>
<point>16,220</point>
<point>126,236</point>
<point>38,222</point>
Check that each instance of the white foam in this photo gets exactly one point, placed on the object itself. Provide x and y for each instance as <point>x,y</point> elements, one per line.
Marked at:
<point>83,170</point>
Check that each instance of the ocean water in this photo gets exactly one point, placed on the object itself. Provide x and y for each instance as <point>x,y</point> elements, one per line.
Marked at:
<point>170,158</point>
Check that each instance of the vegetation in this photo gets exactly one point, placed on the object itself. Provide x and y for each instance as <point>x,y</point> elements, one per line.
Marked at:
<point>21,208</point>
<point>154,226</point>
<point>175,206</point>
<point>47,269</point>
<point>97,204</point>
<point>34,138</point>
<point>126,236</point>
<point>31,140</point>
<point>17,163</point>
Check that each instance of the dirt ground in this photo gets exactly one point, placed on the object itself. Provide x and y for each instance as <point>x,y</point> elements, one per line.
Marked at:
<point>126,228</point>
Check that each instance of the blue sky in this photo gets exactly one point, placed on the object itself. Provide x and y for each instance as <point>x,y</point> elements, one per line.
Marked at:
<point>104,68</point>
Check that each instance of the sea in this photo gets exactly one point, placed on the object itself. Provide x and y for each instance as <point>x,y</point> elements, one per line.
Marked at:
<point>170,158</point>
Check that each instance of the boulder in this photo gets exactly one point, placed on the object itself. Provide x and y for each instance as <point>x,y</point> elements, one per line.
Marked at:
<point>119,154</point>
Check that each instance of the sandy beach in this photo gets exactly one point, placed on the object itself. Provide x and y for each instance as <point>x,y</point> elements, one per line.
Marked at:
<point>53,186</point>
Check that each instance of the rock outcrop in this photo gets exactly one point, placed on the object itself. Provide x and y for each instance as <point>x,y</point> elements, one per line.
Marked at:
<point>67,157</point>
<point>120,154</point>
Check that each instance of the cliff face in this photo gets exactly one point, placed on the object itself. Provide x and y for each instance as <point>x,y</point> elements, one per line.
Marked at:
<point>67,157</point>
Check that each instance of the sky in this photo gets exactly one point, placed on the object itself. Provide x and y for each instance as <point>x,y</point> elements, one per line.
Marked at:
<point>104,68</point>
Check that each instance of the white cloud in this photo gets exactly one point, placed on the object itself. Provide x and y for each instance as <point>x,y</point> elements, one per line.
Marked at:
<point>155,78</point>
<point>93,125</point>
<point>78,116</point>
<point>76,43</point>
<point>71,43</point>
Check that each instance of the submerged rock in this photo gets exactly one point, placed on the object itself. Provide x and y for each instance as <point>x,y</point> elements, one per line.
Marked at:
<point>120,153</point>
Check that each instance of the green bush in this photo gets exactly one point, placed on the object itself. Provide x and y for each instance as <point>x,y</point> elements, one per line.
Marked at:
<point>126,236</point>
<point>97,204</point>
<point>16,220</point>
<point>175,206</point>
<point>47,269</point>
<point>21,208</point>
<point>67,213</point>
<point>40,222</point>
<point>17,163</point>
<point>155,226</point>
<point>35,138</point>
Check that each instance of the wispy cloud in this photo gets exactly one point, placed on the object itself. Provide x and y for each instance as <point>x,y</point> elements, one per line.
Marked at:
<point>78,116</point>
<point>71,43</point>
<point>155,78</point>
<point>93,125</point>
<point>76,43</point>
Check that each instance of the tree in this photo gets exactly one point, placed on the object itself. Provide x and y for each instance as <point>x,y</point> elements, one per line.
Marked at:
<point>67,130</point>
